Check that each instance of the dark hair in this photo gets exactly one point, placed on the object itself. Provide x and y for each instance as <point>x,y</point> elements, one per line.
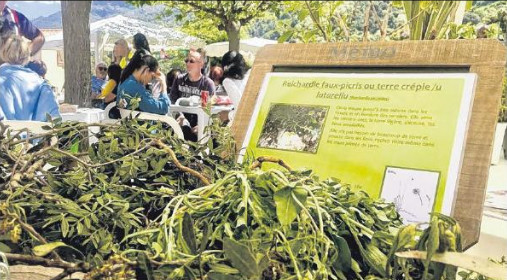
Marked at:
<point>137,62</point>
<point>140,42</point>
<point>114,72</point>
<point>171,76</point>
<point>234,65</point>
<point>216,73</point>
<point>37,66</point>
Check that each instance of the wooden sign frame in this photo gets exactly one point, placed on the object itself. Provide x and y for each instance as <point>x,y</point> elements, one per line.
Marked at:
<point>484,57</point>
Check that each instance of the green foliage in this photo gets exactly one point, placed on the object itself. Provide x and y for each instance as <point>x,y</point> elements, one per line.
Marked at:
<point>215,20</point>
<point>502,114</point>
<point>427,19</point>
<point>324,21</point>
<point>322,16</point>
<point>345,21</point>
<point>206,29</point>
<point>95,196</point>
<point>175,59</point>
<point>491,12</point>
<point>142,203</point>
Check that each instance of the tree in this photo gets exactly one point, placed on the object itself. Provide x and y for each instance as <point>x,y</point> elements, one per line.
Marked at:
<point>228,16</point>
<point>76,43</point>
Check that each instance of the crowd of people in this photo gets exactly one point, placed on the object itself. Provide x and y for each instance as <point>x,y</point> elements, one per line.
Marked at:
<point>134,74</point>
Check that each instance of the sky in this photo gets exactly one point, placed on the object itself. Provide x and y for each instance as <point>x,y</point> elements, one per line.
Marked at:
<point>35,9</point>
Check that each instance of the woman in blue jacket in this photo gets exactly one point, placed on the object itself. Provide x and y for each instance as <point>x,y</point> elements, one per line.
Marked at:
<point>23,94</point>
<point>140,71</point>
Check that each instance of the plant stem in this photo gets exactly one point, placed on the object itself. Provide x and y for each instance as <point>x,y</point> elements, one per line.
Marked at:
<point>289,250</point>
<point>159,144</point>
<point>47,262</point>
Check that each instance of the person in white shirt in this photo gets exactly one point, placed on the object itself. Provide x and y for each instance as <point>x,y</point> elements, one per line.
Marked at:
<point>235,77</point>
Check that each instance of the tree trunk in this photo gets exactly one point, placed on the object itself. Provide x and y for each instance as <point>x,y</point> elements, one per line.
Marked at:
<point>232,29</point>
<point>77,55</point>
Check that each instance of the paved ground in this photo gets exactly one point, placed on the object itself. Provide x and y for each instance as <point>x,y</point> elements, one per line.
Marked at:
<point>24,272</point>
<point>493,240</point>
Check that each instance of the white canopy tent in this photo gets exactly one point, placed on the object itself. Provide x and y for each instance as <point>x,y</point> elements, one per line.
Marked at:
<point>105,32</point>
<point>251,45</point>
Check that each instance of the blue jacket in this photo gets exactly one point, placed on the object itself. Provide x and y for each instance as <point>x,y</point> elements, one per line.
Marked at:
<point>131,88</point>
<point>24,95</point>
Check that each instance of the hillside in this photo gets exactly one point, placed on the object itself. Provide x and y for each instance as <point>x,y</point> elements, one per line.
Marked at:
<point>105,9</point>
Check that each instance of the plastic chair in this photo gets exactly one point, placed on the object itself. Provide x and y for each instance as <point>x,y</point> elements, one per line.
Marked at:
<point>154,117</point>
<point>106,113</point>
<point>31,128</point>
<point>234,94</point>
<point>34,127</point>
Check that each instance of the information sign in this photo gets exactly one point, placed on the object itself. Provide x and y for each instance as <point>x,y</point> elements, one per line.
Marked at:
<point>399,136</point>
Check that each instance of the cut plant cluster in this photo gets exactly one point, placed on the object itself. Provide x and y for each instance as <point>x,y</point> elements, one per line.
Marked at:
<point>141,203</point>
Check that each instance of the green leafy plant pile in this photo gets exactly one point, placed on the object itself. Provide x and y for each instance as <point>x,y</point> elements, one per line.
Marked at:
<point>59,189</point>
<point>142,204</point>
<point>255,224</point>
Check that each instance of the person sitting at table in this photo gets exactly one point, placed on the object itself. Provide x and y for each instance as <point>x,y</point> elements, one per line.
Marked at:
<point>134,78</point>
<point>99,79</point>
<point>191,84</point>
<point>25,95</point>
<point>121,53</point>
<point>109,91</point>
<point>234,79</point>
<point>141,44</point>
<point>216,73</point>
<point>171,77</point>
<point>110,88</point>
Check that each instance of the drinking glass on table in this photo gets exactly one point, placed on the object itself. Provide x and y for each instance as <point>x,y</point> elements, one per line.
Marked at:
<point>204,97</point>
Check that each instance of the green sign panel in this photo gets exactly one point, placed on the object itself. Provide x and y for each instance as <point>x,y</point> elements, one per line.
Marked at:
<point>397,136</point>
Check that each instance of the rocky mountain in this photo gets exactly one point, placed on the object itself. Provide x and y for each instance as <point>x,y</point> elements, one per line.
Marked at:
<point>104,9</point>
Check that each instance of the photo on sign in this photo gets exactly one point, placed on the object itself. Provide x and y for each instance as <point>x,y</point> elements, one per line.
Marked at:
<point>412,192</point>
<point>293,127</point>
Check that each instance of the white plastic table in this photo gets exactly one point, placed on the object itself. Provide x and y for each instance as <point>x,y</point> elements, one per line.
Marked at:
<point>86,115</point>
<point>202,116</point>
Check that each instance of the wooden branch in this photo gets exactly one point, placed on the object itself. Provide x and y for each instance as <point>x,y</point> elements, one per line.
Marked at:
<point>257,10</point>
<point>98,164</point>
<point>200,8</point>
<point>220,12</point>
<point>343,26</point>
<point>407,23</point>
<point>158,143</point>
<point>376,16</point>
<point>258,162</point>
<point>84,267</point>
<point>66,273</point>
<point>385,20</point>
<point>39,237</point>
<point>316,21</point>
<point>366,25</point>
<point>381,23</point>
